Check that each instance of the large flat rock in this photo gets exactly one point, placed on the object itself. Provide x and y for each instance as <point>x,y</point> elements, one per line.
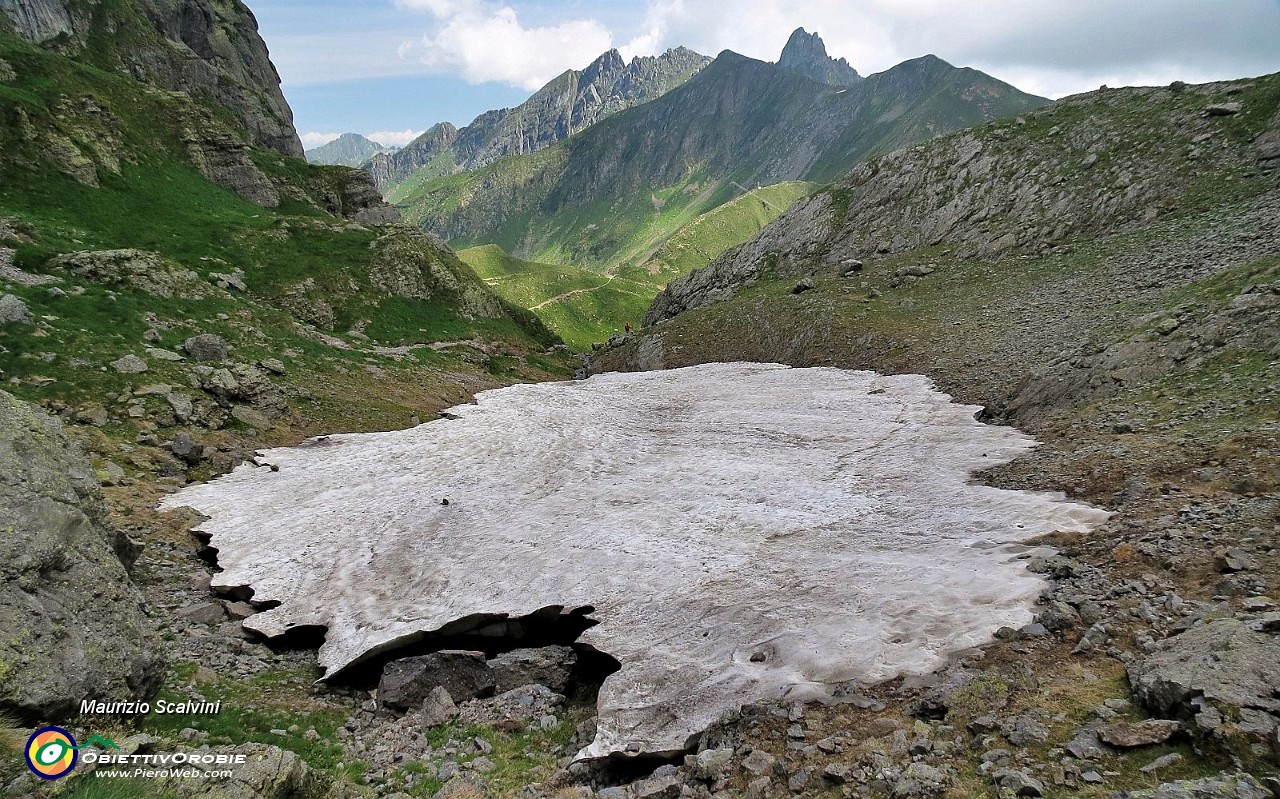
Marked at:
<point>743,532</point>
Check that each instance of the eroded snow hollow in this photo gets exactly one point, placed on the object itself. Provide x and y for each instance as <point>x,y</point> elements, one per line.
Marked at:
<point>820,520</point>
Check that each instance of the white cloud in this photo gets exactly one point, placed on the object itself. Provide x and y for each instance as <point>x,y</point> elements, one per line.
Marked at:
<point>393,138</point>
<point>1051,48</point>
<point>484,42</point>
<point>313,140</point>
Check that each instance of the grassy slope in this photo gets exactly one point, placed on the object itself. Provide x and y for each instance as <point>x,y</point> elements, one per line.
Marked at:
<point>704,239</point>
<point>158,202</point>
<point>580,306</point>
<point>584,306</point>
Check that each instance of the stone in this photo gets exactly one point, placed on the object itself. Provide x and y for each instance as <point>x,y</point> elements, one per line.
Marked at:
<point>438,708</point>
<point>1127,735</point>
<point>759,762</point>
<point>1223,786</point>
<point>921,781</point>
<point>407,682</point>
<point>1171,759</point>
<point>94,415</point>
<point>1229,560</point>
<point>251,417</point>
<point>1223,109</point>
<point>204,613</point>
<point>551,666</point>
<point>803,285</point>
<point>273,365</point>
<point>14,311</point>
<point>158,354</point>
<point>239,610</point>
<point>837,773</point>
<point>207,347</point>
<point>130,365</point>
<point>111,474</point>
<point>186,449</point>
<point>269,773</point>
<point>1025,730</point>
<point>1092,778</point>
<point>61,559</point>
<point>1020,782</point>
<point>1209,672</point>
<point>181,405</point>
<point>710,764</point>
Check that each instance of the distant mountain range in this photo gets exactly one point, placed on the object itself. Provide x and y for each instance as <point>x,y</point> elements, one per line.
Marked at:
<point>612,194</point>
<point>567,105</point>
<point>349,149</point>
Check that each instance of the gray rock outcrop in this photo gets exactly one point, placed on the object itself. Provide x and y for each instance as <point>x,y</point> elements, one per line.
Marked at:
<point>806,54</point>
<point>1222,677</point>
<point>75,627</point>
<point>135,269</point>
<point>201,47</point>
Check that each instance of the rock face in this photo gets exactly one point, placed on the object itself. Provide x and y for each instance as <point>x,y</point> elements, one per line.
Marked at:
<point>713,490</point>
<point>573,101</point>
<point>196,46</point>
<point>1222,677</point>
<point>806,54</point>
<point>74,624</point>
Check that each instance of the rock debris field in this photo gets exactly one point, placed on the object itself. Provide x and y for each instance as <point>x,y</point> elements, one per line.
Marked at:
<point>742,533</point>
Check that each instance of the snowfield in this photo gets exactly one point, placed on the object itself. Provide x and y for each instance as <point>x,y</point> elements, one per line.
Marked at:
<point>743,532</point>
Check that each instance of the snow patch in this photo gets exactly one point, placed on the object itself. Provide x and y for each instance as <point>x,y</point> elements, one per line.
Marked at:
<point>745,532</point>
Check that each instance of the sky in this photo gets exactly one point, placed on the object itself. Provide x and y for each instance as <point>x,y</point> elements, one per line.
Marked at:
<point>390,69</point>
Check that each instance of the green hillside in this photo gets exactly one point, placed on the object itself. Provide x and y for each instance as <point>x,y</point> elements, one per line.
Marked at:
<point>584,306</point>
<point>581,307</point>
<point>91,162</point>
<point>610,196</point>
<point>704,239</point>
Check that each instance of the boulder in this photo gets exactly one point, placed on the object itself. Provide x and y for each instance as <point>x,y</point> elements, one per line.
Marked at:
<point>1223,786</point>
<point>270,773</point>
<point>407,682</point>
<point>549,665</point>
<point>130,365</point>
<point>1127,735</point>
<point>135,269</point>
<point>14,311</point>
<point>1215,672</point>
<point>186,449</point>
<point>74,624</point>
<point>207,347</point>
<point>438,708</point>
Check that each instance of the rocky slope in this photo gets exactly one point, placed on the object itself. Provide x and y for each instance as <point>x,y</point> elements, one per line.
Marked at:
<point>737,123</point>
<point>572,102</point>
<point>200,47</point>
<point>58,648</point>
<point>349,149</point>
<point>806,54</point>
<point>1102,273</point>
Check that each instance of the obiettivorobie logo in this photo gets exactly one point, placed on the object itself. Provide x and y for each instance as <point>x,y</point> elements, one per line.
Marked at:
<point>52,751</point>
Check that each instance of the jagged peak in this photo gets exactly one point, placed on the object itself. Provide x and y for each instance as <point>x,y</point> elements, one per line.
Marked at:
<point>806,54</point>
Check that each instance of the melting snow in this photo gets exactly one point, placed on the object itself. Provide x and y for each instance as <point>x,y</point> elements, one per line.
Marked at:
<point>820,518</point>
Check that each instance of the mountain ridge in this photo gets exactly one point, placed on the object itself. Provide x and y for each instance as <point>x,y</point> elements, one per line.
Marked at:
<point>569,103</point>
<point>739,121</point>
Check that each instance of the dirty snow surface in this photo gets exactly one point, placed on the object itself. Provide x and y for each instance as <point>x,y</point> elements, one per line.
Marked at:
<point>744,532</point>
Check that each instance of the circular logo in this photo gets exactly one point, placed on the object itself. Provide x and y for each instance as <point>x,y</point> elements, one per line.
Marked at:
<point>51,752</point>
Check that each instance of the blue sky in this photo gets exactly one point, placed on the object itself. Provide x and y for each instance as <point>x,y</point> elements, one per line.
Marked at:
<point>393,68</point>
